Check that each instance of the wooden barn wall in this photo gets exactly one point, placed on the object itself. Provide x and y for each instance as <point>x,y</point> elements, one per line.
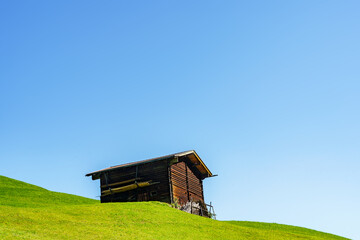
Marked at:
<point>186,186</point>
<point>156,172</point>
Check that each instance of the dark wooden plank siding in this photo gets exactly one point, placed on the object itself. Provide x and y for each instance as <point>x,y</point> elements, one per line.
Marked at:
<point>155,172</point>
<point>186,186</point>
<point>194,183</point>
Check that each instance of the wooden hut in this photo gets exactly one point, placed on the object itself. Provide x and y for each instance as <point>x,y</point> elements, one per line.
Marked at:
<point>175,178</point>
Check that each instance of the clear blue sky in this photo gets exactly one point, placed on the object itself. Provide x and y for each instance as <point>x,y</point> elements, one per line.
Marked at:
<point>267,93</point>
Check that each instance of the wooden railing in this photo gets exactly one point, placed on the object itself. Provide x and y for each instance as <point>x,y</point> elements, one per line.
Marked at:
<point>207,211</point>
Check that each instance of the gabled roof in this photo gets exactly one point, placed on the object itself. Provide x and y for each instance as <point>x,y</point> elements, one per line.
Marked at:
<point>191,155</point>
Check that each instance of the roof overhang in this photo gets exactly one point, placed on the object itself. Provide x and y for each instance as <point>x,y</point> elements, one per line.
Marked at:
<point>193,157</point>
<point>197,162</point>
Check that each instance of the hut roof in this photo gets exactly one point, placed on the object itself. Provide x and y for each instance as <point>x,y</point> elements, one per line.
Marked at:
<point>191,155</point>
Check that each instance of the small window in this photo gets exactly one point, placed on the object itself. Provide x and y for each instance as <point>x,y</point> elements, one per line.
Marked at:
<point>153,193</point>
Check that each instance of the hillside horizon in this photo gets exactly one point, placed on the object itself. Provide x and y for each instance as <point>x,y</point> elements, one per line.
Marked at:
<point>32,212</point>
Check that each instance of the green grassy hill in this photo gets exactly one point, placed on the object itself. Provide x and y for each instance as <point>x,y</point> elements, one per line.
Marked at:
<point>31,212</point>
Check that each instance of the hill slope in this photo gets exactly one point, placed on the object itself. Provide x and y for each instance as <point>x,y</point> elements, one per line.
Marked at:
<point>31,212</point>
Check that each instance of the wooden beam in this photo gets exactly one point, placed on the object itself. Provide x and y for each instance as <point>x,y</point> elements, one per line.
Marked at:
<point>119,183</point>
<point>126,188</point>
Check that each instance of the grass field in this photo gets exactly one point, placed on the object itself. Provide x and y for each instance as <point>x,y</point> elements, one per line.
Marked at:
<point>32,212</point>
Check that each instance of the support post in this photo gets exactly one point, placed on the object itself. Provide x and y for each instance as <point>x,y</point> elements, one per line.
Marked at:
<point>170,184</point>
<point>136,176</point>
<point>187,182</point>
